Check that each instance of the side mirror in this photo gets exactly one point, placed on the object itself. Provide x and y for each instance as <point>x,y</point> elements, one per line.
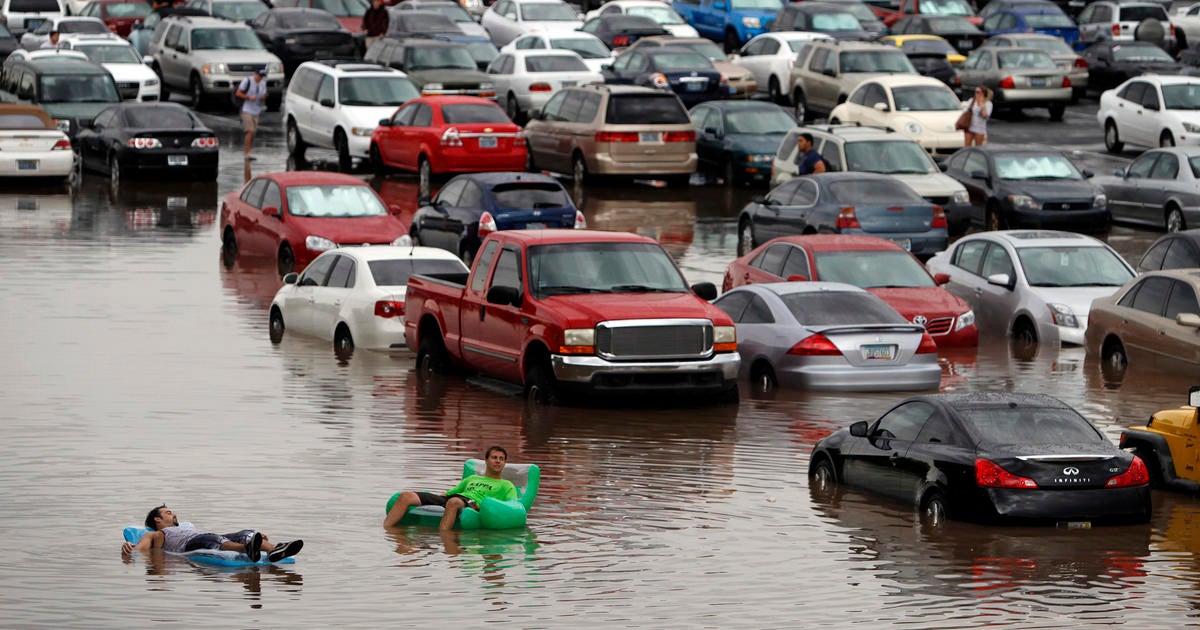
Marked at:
<point>1119,172</point>
<point>941,278</point>
<point>148,60</point>
<point>712,131</point>
<point>326,102</point>
<point>271,211</point>
<point>395,209</point>
<point>1191,320</point>
<point>291,278</point>
<point>1152,107</point>
<point>385,122</point>
<point>1000,280</point>
<point>1088,174</point>
<point>859,429</point>
<point>181,48</point>
<point>883,107</point>
<point>978,175</point>
<point>606,67</point>
<point>535,114</point>
<point>510,296</point>
<point>829,73</point>
<point>705,290</point>
<point>797,278</point>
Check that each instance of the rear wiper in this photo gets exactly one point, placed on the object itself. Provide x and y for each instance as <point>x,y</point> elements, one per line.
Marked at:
<point>546,204</point>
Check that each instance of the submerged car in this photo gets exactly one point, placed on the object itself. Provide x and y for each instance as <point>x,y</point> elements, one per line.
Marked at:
<point>1159,189</point>
<point>1168,445</point>
<point>1153,320</point>
<point>149,138</point>
<point>738,139</point>
<point>30,145</point>
<point>828,335</point>
<point>987,457</point>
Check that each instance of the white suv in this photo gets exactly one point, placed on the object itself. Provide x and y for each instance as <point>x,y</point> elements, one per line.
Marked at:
<point>338,104</point>
<point>135,80</point>
<point>22,15</point>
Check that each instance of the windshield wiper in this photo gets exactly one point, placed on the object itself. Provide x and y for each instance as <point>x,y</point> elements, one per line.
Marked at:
<point>570,289</point>
<point>639,288</point>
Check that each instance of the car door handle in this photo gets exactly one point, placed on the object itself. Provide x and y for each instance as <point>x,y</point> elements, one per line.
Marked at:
<point>979,290</point>
<point>894,457</point>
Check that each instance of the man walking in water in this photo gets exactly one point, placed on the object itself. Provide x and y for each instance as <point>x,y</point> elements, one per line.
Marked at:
<point>253,92</point>
<point>469,492</point>
<point>167,534</point>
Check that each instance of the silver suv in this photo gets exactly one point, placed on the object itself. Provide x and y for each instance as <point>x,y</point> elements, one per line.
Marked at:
<point>825,72</point>
<point>208,57</point>
<point>1126,21</point>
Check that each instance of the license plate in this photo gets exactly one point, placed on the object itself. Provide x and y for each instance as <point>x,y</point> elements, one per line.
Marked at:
<point>1075,524</point>
<point>694,86</point>
<point>1037,83</point>
<point>487,142</point>
<point>879,351</point>
<point>650,136</point>
<point>176,203</point>
<point>535,226</point>
<point>906,243</point>
<point>177,160</point>
<point>27,165</point>
<point>569,83</point>
<point>27,203</point>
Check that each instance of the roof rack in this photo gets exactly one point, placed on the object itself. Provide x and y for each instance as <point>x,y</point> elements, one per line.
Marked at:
<point>349,64</point>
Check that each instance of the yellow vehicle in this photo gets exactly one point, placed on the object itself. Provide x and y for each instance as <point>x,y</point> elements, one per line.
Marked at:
<point>925,44</point>
<point>1169,444</point>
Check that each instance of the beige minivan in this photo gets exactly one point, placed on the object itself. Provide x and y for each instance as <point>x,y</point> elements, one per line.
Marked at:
<point>613,130</point>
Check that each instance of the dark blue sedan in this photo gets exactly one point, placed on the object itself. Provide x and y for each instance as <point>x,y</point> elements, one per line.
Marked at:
<point>739,139</point>
<point>684,71</point>
<point>473,205</point>
<point>1049,20</point>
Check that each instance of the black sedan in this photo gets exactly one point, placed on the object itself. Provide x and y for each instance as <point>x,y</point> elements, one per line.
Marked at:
<point>845,203</point>
<point>618,31</point>
<point>153,138</point>
<point>987,457</point>
<point>299,35</point>
<point>955,29</point>
<point>1028,186</point>
<point>1177,250</point>
<point>684,71</point>
<point>1112,63</point>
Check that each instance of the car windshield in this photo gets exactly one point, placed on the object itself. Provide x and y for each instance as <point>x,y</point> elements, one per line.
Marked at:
<point>425,23</point>
<point>453,11</point>
<point>708,49</point>
<point>951,25</point>
<point>1139,13</point>
<point>1140,53</point>
<point>82,26</point>
<point>761,5</point>
<point>474,113</point>
<point>876,61</point>
<point>675,61</point>
<point>554,63</point>
<point>575,268</point>
<point>438,57</point>
<point>342,8</point>
<point>1048,20</point>
<point>309,20</point>
<point>376,91</point>
<point>334,200</point>
<point>661,14</point>
<point>239,11</point>
<point>826,22</point>
<point>158,117</point>
<point>531,195</point>
<point>225,39</point>
<point>1048,45</point>
<point>925,98</point>
<point>71,88</point>
<point>928,46</point>
<point>396,272</point>
<point>840,308</point>
<point>587,47</point>
<point>759,120</point>
<point>860,11</point>
<point>874,191</point>
<point>946,7</point>
<point>872,269</point>
<point>1029,426</point>
<point>127,9</point>
<point>1181,96</point>
<point>22,121</point>
<point>1073,266</point>
<point>101,53</point>
<point>548,12</point>
<point>482,52</point>
<point>1035,166</point>
<point>890,157</point>
<point>1014,59</point>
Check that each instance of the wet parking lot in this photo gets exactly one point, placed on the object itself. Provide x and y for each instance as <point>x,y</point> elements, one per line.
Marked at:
<point>140,372</point>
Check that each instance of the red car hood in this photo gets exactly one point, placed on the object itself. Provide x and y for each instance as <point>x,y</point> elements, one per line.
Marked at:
<point>352,24</point>
<point>583,311</point>
<point>932,302</point>
<point>345,230</point>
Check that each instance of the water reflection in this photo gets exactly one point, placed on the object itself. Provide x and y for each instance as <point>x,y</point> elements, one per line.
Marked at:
<point>158,565</point>
<point>36,213</point>
<point>143,209</point>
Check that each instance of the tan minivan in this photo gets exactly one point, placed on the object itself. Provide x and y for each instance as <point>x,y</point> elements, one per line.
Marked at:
<point>613,130</point>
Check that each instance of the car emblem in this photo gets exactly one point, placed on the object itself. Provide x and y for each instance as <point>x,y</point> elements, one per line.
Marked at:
<point>1071,471</point>
<point>537,213</point>
<point>694,73</point>
<point>920,320</point>
<point>487,130</point>
<point>176,141</point>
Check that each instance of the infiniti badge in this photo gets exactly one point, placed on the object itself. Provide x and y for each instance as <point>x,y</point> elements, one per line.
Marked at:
<point>1070,470</point>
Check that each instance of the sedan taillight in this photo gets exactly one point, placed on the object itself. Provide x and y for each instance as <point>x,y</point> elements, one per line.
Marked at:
<point>540,87</point>
<point>928,345</point>
<point>1007,83</point>
<point>388,309</point>
<point>206,143</point>
<point>679,136</point>
<point>1080,62</point>
<point>815,346</point>
<point>580,220</point>
<point>451,138</point>
<point>143,143</point>
<point>1136,475</point>
<point>939,218</point>
<point>487,225</point>
<point>847,220</point>
<point>61,145</point>
<point>989,474</point>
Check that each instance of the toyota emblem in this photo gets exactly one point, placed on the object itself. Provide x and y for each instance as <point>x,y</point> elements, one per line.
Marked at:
<point>920,320</point>
<point>1071,471</point>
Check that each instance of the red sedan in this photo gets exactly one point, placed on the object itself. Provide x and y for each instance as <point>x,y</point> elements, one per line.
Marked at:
<point>119,15</point>
<point>448,134</point>
<point>875,264</point>
<point>294,216</point>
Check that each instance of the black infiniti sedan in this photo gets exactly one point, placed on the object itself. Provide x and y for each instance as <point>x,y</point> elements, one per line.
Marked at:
<point>157,138</point>
<point>299,35</point>
<point>1028,186</point>
<point>1112,63</point>
<point>986,457</point>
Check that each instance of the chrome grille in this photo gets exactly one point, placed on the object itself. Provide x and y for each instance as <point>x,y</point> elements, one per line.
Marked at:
<point>939,326</point>
<point>245,67</point>
<point>648,339</point>
<point>128,89</point>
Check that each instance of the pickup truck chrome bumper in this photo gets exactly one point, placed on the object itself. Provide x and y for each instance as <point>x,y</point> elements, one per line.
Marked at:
<point>600,373</point>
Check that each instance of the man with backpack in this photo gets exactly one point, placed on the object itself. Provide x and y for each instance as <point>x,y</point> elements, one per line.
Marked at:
<point>252,92</point>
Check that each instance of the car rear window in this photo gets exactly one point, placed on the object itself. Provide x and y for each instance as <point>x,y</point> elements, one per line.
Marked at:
<point>82,27</point>
<point>474,113</point>
<point>342,8</point>
<point>1025,425</point>
<point>834,308</point>
<point>555,63</point>
<point>22,121</point>
<point>531,195</point>
<point>395,273</point>
<point>649,109</point>
<point>427,23</point>
<point>33,6</point>
<point>159,118</point>
<point>1137,14</point>
<point>1051,45</point>
<point>873,191</point>
<point>1010,59</point>
<point>1049,20</point>
<point>680,60</point>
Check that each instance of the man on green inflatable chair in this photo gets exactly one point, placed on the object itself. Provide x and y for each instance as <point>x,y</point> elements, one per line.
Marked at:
<point>469,492</point>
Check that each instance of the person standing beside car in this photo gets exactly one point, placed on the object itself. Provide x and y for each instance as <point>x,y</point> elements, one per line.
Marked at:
<point>253,92</point>
<point>375,22</point>
<point>981,109</point>
<point>808,161</point>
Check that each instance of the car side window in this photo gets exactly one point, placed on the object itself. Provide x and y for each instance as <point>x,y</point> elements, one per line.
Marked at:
<point>1151,295</point>
<point>806,193</point>
<point>832,154</point>
<point>997,261</point>
<point>772,260</point>
<point>1182,255</point>
<point>325,90</point>
<point>342,275</point>
<point>816,63</point>
<point>734,304</point>
<point>272,197</point>
<point>404,116</point>
<point>569,111</point>
<point>757,312</point>
<point>25,86</point>
<point>1182,300</point>
<point>104,119</point>
<point>1133,92</point>
<point>1167,167</point>
<point>1150,97</point>
<point>875,94</point>
<point>1103,14</point>
<point>508,270</point>
<point>252,195</point>
<point>423,116</point>
<point>450,193</point>
<point>637,63</point>
<point>497,64</point>
<point>1130,295</point>
<point>589,108</point>
<point>1085,17</point>
<point>769,47</point>
<point>317,272</point>
<point>902,423</point>
<point>975,163</point>
<point>859,96</point>
<point>984,60</point>
<point>471,197</point>
<point>992,23</point>
<point>969,255</point>
<point>483,264</point>
<point>700,116</point>
<point>1153,259</point>
<point>782,194</point>
<point>550,111</point>
<point>937,430</point>
<point>172,38</point>
<point>796,264</point>
<point>1141,167</point>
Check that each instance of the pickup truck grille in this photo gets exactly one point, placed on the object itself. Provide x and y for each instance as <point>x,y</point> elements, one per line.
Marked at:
<point>652,339</point>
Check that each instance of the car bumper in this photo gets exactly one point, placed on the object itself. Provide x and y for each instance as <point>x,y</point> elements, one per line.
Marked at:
<point>460,160</point>
<point>1098,503</point>
<point>46,164</point>
<point>912,377</point>
<point>606,165</point>
<point>1090,220</point>
<point>1034,97</point>
<point>714,374</point>
<point>753,171</point>
<point>742,88</point>
<point>966,337</point>
<point>157,161</point>
<point>489,94</point>
<point>383,335</point>
<point>920,244</point>
<point>1063,335</point>
<point>533,100</point>
<point>1079,80</point>
<point>360,146</point>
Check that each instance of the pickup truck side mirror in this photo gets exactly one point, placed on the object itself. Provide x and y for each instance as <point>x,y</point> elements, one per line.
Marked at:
<point>510,296</point>
<point>271,211</point>
<point>859,429</point>
<point>705,290</point>
<point>291,278</point>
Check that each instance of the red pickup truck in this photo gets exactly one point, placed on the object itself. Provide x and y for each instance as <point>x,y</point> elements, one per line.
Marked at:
<point>583,311</point>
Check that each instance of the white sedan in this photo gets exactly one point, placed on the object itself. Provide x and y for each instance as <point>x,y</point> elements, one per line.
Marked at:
<point>525,79</point>
<point>509,19</point>
<point>135,80</point>
<point>656,10</point>
<point>770,57</point>
<point>33,40</point>
<point>922,108</point>
<point>593,51</point>
<point>1186,20</point>
<point>30,144</point>
<point>354,296</point>
<point>1151,110</point>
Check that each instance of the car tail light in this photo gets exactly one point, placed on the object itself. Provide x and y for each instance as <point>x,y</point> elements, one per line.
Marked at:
<point>206,143</point>
<point>679,136</point>
<point>1136,475</point>
<point>388,309</point>
<point>616,136</point>
<point>61,145</point>
<point>928,345</point>
<point>143,143</point>
<point>1007,83</point>
<point>989,474</point>
<point>846,219</point>
<point>620,40</point>
<point>487,224</point>
<point>1116,30</point>
<point>815,346</point>
<point>659,80</point>
<point>939,218</point>
<point>1080,62</point>
<point>540,87</point>
<point>451,138</point>
<point>724,82</point>
<point>1066,82</point>
<point>1172,27</point>
<point>112,28</point>
<point>580,220</point>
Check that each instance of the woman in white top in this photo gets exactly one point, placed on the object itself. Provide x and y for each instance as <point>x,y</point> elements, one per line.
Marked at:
<point>981,109</point>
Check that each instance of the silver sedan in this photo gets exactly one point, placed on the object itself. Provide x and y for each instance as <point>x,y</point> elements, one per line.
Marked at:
<point>1019,77</point>
<point>1159,188</point>
<point>828,335</point>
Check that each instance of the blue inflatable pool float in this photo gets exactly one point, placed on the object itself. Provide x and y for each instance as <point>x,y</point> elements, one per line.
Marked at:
<point>492,513</point>
<point>215,557</point>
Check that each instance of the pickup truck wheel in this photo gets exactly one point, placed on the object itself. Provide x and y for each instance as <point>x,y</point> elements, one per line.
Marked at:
<point>762,378</point>
<point>540,387</point>
<point>295,144</point>
<point>732,43</point>
<point>275,326</point>
<point>431,355</point>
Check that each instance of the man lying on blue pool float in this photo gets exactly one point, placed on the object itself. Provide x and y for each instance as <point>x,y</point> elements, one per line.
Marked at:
<point>167,534</point>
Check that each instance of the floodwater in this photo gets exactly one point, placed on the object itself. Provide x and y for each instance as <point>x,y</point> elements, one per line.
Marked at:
<point>140,372</point>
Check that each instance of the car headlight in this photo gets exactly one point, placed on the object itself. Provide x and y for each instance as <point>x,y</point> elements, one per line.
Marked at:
<point>289,41</point>
<point>579,337</point>
<point>362,131</point>
<point>1063,316</point>
<point>319,243</point>
<point>724,334</point>
<point>432,86</point>
<point>63,125</point>
<point>751,22</point>
<point>760,159</point>
<point>150,82</point>
<point>1100,201</point>
<point>275,68</point>
<point>215,68</point>
<point>965,320</point>
<point>487,87</point>
<point>912,129</point>
<point>403,240</point>
<point>1191,127</point>
<point>1023,202</point>
<point>961,196</point>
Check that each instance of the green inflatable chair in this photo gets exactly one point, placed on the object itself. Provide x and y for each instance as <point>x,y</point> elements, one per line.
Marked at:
<point>492,513</point>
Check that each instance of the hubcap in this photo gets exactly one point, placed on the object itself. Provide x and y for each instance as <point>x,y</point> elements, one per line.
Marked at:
<point>746,242</point>
<point>1174,221</point>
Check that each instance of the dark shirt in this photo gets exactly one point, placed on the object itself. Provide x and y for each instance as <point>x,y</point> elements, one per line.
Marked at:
<point>375,21</point>
<point>806,162</point>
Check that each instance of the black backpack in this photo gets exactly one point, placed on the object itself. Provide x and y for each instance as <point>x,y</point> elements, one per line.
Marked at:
<point>242,87</point>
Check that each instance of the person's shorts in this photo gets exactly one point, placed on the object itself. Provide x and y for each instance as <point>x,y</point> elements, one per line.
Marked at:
<point>428,498</point>
<point>205,541</point>
<point>249,122</point>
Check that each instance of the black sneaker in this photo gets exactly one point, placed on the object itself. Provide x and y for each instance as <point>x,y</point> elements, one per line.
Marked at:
<point>254,547</point>
<point>285,550</point>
